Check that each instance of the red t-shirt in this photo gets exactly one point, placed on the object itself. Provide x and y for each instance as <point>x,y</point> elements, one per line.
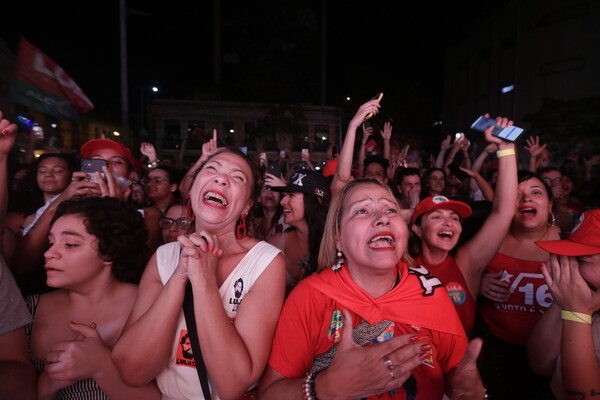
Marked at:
<point>456,286</point>
<point>311,322</point>
<point>513,320</point>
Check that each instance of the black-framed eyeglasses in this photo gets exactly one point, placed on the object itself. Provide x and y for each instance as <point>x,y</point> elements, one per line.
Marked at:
<point>155,179</point>
<point>181,223</point>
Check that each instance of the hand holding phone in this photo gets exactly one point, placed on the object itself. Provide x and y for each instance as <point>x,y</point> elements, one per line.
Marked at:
<point>378,98</point>
<point>92,165</point>
<point>509,133</point>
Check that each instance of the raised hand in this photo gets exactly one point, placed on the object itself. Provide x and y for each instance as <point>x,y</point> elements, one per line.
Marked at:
<point>306,157</point>
<point>367,133</point>
<point>590,162</point>
<point>534,147</point>
<point>273,180</point>
<point>210,147</point>
<point>149,151</point>
<point>8,134</point>
<point>501,122</point>
<point>386,133</point>
<point>371,106</point>
<point>445,144</point>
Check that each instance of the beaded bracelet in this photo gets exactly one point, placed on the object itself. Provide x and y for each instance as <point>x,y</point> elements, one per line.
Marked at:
<point>308,387</point>
<point>576,317</point>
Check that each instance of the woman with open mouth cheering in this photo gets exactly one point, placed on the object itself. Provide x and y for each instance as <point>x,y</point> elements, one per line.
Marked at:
<point>235,287</point>
<point>371,324</point>
<point>436,222</point>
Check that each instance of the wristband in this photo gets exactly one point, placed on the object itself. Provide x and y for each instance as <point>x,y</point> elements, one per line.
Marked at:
<point>505,152</point>
<point>576,317</point>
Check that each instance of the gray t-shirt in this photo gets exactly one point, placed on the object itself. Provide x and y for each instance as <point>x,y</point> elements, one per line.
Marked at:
<point>13,311</point>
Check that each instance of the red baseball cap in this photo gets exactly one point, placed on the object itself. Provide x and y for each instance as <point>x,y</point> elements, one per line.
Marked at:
<point>438,203</point>
<point>584,238</point>
<point>91,146</point>
<point>331,166</point>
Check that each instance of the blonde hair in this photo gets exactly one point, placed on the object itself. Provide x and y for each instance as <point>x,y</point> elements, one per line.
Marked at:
<point>327,253</point>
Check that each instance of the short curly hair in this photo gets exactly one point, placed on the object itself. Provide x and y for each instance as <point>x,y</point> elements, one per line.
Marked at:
<point>120,229</point>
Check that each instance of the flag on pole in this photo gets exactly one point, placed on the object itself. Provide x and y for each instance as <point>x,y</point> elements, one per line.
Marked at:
<point>42,84</point>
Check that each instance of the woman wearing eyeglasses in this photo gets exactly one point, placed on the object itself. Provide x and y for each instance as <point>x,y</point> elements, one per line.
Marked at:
<point>161,187</point>
<point>175,223</point>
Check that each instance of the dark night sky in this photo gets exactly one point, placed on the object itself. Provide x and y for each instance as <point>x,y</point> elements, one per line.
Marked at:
<point>394,47</point>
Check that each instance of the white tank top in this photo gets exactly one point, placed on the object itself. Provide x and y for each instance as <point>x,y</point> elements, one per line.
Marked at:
<point>179,379</point>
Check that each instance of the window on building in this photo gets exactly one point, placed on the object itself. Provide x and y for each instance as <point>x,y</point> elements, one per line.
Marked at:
<point>196,134</point>
<point>228,134</point>
<point>301,138</point>
<point>172,134</point>
<point>321,138</point>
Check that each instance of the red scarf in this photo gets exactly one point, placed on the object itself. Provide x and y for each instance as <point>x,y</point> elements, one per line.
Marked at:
<point>405,303</point>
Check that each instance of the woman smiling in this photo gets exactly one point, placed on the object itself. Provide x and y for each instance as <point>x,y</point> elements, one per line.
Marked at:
<point>234,284</point>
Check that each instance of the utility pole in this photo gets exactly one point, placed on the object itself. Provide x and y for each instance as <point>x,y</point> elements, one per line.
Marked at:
<point>124,84</point>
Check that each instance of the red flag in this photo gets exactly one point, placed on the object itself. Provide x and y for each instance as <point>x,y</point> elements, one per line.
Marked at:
<point>42,84</point>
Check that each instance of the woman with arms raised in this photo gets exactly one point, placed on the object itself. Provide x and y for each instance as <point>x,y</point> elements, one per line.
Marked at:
<point>514,296</point>
<point>238,287</point>
<point>373,325</point>
<point>437,223</point>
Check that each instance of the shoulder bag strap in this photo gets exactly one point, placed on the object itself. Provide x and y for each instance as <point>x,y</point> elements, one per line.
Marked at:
<point>190,321</point>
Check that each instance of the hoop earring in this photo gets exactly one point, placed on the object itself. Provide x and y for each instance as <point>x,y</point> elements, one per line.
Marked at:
<point>241,228</point>
<point>553,218</point>
<point>340,260</point>
<point>189,211</point>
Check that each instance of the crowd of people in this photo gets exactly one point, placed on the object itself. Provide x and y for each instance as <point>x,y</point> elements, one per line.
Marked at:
<point>382,274</point>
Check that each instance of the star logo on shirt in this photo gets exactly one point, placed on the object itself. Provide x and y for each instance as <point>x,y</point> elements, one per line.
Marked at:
<point>505,277</point>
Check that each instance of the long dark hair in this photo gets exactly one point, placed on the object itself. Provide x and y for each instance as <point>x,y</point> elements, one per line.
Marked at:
<point>315,213</point>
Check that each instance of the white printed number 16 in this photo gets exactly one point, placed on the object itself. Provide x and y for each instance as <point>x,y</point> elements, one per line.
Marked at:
<point>543,297</point>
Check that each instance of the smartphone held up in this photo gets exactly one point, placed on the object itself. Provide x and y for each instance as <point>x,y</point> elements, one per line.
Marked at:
<point>92,165</point>
<point>509,133</point>
<point>378,98</point>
